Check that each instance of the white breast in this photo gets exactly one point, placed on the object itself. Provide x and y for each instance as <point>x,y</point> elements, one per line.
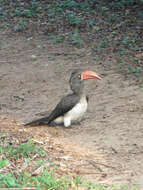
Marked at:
<point>75,114</point>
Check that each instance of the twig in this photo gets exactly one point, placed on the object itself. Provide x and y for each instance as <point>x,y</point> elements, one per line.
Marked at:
<point>38,171</point>
<point>95,165</point>
<point>114,150</point>
<point>89,173</point>
<point>92,162</point>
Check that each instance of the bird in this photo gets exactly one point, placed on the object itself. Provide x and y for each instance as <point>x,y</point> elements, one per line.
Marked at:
<point>71,107</point>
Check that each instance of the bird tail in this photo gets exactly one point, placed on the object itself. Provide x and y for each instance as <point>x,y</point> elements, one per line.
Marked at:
<point>42,121</point>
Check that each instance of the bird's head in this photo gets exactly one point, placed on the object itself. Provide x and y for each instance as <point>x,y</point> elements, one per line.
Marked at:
<point>77,79</point>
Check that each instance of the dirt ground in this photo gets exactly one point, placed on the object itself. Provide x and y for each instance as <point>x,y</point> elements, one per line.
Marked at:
<point>107,147</point>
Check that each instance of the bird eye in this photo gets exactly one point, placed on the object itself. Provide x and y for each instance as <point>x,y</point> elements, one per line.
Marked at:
<point>79,76</point>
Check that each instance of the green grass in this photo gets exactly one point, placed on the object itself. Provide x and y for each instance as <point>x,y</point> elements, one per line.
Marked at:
<point>47,181</point>
<point>23,150</point>
<point>25,153</point>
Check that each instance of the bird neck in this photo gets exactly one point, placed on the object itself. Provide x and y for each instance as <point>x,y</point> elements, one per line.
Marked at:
<point>78,92</point>
<point>77,88</point>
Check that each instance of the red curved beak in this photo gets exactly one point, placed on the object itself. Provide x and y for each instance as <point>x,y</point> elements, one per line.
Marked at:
<point>89,75</point>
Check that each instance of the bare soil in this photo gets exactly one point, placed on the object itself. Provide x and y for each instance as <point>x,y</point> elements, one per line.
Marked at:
<point>108,145</point>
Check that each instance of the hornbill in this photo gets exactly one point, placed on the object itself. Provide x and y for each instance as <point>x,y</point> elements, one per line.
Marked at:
<point>72,107</point>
